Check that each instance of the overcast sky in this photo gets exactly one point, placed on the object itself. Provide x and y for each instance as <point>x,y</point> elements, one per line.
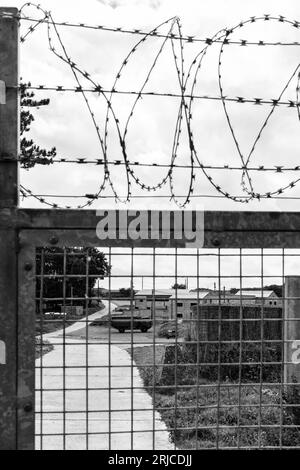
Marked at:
<point>246,71</point>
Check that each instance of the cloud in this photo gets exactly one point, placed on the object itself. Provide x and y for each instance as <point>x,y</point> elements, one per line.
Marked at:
<point>125,3</point>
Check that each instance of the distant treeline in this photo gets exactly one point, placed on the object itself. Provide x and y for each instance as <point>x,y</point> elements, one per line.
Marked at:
<point>274,287</point>
<point>277,289</point>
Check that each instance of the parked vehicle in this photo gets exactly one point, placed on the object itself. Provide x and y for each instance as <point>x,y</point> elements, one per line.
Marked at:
<point>55,314</point>
<point>171,329</point>
<point>171,333</point>
<point>124,308</point>
<point>126,322</point>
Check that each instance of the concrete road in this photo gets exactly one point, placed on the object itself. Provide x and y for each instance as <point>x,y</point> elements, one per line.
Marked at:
<point>98,403</point>
<point>122,340</point>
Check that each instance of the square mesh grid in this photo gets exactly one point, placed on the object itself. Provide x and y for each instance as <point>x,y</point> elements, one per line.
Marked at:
<point>126,362</point>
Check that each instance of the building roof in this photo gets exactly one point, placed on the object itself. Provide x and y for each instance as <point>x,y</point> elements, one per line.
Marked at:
<point>155,292</point>
<point>257,293</point>
<point>186,294</point>
<point>171,293</point>
<point>221,294</point>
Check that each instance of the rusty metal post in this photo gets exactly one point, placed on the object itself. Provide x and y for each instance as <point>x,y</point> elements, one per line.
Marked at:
<point>292,329</point>
<point>9,147</point>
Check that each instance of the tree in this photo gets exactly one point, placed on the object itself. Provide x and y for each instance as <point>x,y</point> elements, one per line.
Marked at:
<point>127,292</point>
<point>30,153</point>
<point>276,288</point>
<point>58,267</point>
<point>178,286</point>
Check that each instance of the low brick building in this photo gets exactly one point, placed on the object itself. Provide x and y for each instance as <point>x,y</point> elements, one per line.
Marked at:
<point>182,301</point>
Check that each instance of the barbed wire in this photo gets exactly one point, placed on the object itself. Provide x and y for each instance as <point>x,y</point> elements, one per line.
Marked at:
<point>245,162</point>
<point>237,99</point>
<point>187,39</point>
<point>143,196</point>
<point>187,80</point>
<point>99,161</point>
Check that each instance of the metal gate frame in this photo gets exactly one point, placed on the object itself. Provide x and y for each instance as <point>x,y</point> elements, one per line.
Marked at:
<point>70,228</point>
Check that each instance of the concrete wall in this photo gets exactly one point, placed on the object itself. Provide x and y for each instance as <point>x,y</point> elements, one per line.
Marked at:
<point>202,323</point>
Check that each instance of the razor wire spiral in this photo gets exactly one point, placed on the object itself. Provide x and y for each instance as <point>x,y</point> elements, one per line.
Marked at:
<point>186,79</point>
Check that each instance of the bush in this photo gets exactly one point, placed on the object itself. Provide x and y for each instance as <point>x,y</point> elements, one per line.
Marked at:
<point>200,410</point>
<point>170,325</point>
<point>224,361</point>
<point>42,347</point>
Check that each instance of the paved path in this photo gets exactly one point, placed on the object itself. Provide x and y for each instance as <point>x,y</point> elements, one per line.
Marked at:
<point>73,413</point>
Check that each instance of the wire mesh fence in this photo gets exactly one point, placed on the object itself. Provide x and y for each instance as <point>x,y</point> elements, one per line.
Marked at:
<point>167,348</point>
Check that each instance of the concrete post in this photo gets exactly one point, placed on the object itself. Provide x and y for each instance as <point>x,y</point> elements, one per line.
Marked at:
<point>9,148</point>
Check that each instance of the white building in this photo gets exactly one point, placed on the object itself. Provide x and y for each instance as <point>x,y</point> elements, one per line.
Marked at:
<point>155,301</point>
<point>168,302</point>
<point>220,298</point>
<point>181,302</point>
<point>268,298</point>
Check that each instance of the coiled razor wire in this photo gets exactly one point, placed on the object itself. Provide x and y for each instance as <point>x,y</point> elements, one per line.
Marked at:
<point>187,85</point>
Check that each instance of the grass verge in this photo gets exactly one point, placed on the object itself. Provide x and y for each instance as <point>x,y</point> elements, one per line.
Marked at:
<point>203,413</point>
<point>42,348</point>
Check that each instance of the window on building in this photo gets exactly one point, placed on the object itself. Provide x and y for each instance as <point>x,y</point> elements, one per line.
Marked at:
<point>179,304</point>
<point>179,315</point>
